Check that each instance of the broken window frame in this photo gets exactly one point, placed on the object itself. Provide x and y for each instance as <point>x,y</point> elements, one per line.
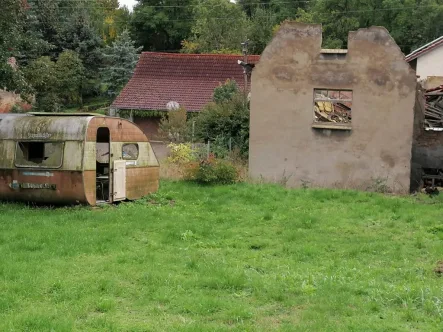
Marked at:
<point>138,151</point>
<point>31,164</point>
<point>331,124</point>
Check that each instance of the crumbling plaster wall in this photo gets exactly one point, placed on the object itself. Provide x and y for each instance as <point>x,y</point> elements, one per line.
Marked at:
<point>283,144</point>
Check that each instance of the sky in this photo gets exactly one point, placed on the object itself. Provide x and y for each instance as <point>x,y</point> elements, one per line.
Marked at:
<point>127,3</point>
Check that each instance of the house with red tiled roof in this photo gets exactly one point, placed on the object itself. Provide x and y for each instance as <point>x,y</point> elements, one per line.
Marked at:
<point>189,80</point>
<point>428,59</point>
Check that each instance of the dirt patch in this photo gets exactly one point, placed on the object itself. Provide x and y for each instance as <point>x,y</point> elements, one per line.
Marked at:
<point>439,269</point>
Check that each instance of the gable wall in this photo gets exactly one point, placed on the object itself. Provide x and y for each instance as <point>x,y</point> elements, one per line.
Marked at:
<point>283,144</point>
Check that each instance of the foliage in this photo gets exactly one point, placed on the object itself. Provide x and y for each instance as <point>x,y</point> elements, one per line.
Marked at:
<point>173,126</point>
<point>219,25</point>
<point>56,82</point>
<point>70,74</point>
<point>225,92</point>
<point>250,6</point>
<point>80,36</point>
<point>160,25</point>
<point>211,171</point>
<point>404,20</point>
<point>31,29</point>
<point>120,61</point>
<point>42,75</point>
<point>261,29</point>
<point>141,113</point>
<point>229,119</point>
<point>180,154</point>
<point>14,39</point>
<point>21,108</point>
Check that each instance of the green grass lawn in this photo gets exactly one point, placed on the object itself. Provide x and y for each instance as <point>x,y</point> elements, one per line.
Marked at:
<point>242,258</point>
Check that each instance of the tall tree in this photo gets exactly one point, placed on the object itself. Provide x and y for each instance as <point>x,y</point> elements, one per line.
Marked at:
<point>250,6</point>
<point>80,36</point>
<point>220,26</point>
<point>19,42</point>
<point>412,23</point>
<point>120,59</point>
<point>160,25</point>
<point>70,74</point>
<point>263,23</point>
<point>41,74</point>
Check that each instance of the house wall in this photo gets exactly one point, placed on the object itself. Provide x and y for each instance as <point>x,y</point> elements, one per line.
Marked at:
<point>283,144</point>
<point>149,126</point>
<point>431,63</point>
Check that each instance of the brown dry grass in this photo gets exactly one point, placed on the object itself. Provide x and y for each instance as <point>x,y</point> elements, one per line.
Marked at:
<point>171,171</point>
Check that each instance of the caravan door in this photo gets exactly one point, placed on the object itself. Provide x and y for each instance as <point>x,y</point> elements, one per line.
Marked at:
<point>119,180</point>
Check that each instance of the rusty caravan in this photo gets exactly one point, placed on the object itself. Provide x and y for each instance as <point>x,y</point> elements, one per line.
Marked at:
<point>74,159</point>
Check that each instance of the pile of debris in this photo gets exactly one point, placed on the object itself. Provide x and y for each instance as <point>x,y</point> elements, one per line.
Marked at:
<point>330,110</point>
<point>434,108</point>
<point>432,181</point>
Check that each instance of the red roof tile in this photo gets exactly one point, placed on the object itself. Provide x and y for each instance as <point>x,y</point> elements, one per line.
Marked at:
<point>188,79</point>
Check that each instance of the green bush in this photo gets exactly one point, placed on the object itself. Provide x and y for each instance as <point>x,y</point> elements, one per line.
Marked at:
<point>219,122</point>
<point>225,92</point>
<point>212,171</point>
<point>180,154</point>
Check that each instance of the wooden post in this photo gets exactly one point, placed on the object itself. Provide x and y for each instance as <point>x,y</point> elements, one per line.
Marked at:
<point>245,59</point>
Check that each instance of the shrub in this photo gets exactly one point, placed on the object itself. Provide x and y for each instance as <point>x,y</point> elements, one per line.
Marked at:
<point>211,171</point>
<point>229,119</point>
<point>180,154</point>
<point>173,126</point>
<point>225,92</point>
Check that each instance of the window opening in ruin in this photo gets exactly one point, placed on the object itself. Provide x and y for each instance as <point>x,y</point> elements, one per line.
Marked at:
<point>332,107</point>
<point>130,151</point>
<point>39,154</point>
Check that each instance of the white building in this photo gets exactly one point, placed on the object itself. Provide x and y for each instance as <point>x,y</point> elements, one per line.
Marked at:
<point>428,59</point>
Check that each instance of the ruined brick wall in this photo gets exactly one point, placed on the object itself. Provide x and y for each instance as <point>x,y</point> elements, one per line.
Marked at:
<point>427,148</point>
<point>283,143</point>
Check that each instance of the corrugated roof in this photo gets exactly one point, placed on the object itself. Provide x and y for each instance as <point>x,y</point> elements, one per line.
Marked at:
<point>424,49</point>
<point>188,79</point>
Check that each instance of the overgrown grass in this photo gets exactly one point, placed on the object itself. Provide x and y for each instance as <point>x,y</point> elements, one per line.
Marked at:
<point>242,257</point>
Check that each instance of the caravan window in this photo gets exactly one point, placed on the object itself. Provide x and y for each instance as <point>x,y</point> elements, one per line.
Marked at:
<point>39,154</point>
<point>130,151</point>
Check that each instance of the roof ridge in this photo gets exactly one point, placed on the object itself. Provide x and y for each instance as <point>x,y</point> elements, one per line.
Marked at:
<point>424,49</point>
<point>190,55</point>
